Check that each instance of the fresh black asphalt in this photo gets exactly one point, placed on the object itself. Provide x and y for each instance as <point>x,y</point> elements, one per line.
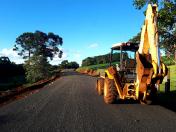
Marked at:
<point>71,104</point>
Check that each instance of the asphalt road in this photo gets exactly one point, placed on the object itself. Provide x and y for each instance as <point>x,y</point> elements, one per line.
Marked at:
<point>72,104</point>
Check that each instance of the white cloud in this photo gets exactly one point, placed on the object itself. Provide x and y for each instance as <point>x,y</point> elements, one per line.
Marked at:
<point>76,55</point>
<point>13,55</point>
<point>94,45</point>
<point>69,55</point>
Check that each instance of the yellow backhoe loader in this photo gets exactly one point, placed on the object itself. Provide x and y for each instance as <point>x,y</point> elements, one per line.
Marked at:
<point>137,78</point>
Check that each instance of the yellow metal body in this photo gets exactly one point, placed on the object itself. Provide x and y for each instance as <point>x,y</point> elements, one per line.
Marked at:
<point>149,53</point>
<point>150,70</point>
<point>110,76</point>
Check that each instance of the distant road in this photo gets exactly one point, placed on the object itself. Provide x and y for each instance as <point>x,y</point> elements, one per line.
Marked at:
<point>72,104</point>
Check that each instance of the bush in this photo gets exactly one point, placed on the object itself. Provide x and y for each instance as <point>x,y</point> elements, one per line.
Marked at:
<point>11,74</point>
<point>168,60</point>
<point>37,68</point>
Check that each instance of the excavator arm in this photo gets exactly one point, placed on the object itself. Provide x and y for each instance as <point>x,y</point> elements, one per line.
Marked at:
<point>150,69</point>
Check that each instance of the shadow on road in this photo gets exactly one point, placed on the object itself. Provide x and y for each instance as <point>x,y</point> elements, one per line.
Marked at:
<point>167,100</point>
<point>128,101</point>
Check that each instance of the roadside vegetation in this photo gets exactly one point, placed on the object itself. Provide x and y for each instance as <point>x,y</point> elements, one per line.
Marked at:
<point>14,75</point>
<point>102,59</point>
<point>172,79</point>
<point>11,75</point>
<point>96,67</point>
<point>68,65</point>
<point>100,62</point>
<point>36,49</point>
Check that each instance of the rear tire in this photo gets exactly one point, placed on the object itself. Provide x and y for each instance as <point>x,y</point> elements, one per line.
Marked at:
<point>100,86</point>
<point>110,93</point>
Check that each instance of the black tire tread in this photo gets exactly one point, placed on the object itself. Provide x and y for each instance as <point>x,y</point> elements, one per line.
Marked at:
<point>100,86</point>
<point>111,91</point>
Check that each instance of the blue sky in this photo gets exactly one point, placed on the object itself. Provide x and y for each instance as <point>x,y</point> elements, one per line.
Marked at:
<point>88,27</point>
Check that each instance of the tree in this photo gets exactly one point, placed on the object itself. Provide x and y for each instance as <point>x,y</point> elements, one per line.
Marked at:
<point>36,48</point>
<point>73,65</point>
<point>89,61</point>
<point>4,60</point>
<point>166,22</point>
<point>135,39</point>
<point>64,64</point>
<point>69,65</point>
<point>10,72</point>
<point>38,43</point>
<point>25,45</point>
<point>37,69</point>
<point>139,4</point>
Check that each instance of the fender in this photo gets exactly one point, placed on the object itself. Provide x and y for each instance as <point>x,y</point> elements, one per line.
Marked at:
<point>108,74</point>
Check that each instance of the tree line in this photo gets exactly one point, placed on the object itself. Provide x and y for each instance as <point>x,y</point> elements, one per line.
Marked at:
<point>11,74</point>
<point>9,69</point>
<point>103,59</point>
<point>68,65</point>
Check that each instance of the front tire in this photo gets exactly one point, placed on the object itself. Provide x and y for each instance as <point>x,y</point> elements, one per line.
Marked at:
<point>110,93</point>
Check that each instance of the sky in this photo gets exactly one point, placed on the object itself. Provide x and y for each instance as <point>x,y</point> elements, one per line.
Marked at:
<point>88,27</point>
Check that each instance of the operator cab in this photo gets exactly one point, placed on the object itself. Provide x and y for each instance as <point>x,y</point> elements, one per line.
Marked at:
<point>126,64</point>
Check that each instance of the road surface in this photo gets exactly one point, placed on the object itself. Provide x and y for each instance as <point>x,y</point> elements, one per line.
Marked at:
<point>72,104</point>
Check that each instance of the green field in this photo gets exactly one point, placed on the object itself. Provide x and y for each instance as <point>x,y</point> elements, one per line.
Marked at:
<point>96,67</point>
<point>172,79</point>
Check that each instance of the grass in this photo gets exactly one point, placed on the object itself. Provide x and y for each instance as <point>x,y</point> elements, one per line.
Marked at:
<point>96,67</point>
<point>172,79</point>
